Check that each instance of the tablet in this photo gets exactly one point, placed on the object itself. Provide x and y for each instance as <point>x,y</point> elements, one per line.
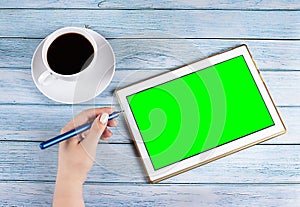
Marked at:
<point>199,113</point>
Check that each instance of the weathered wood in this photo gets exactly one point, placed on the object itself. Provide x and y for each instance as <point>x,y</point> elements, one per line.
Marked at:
<point>264,175</point>
<point>40,122</point>
<point>154,4</point>
<point>40,194</point>
<point>120,163</point>
<point>167,53</point>
<point>154,23</point>
<point>283,86</point>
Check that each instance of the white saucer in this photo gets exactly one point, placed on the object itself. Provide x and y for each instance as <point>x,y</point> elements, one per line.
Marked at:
<point>83,89</point>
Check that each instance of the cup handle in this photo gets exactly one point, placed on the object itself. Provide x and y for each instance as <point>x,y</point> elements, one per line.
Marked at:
<point>46,78</point>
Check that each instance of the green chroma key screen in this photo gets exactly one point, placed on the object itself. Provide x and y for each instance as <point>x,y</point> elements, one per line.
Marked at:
<point>199,111</point>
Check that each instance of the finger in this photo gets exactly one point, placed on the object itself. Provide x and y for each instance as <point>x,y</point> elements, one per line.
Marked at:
<point>106,134</point>
<point>85,133</point>
<point>94,112</point>
<point>86,116</point>
<point>112,123</point>
<point>105,138</point>
<point>98,127</point>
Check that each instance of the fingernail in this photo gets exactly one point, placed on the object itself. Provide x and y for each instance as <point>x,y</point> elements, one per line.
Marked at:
<point>104,118</point>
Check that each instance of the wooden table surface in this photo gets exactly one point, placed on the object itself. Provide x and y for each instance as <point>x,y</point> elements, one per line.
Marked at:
<point>148,38</point>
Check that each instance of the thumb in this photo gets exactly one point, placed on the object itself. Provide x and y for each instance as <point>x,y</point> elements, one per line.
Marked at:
<point>98,127</point>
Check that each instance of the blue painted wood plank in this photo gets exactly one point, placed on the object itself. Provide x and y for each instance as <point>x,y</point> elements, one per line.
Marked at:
<point>26,127</point>
<point>117,163</point>
<point>166,53</point>
<point>154,23</point>
<point>18,87</point>
<point>154,4</point>
<point>40,194</point>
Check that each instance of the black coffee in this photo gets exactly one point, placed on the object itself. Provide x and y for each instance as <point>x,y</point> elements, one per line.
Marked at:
<point>69,54</point>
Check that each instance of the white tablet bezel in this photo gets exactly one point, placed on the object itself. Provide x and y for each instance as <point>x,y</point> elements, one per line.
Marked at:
<point>217,152</point>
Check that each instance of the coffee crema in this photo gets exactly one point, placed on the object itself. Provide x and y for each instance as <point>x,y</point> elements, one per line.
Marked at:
<point>70,53</point>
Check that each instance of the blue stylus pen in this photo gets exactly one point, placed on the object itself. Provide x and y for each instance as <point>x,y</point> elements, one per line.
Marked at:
<point>73,132</point>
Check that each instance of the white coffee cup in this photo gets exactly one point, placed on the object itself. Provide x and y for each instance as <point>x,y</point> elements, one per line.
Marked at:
<point>49,76</point>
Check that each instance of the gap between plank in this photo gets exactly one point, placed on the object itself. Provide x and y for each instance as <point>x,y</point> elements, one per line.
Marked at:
<point>171,38</point>
<point>147,184</point>
<point>147,9</point>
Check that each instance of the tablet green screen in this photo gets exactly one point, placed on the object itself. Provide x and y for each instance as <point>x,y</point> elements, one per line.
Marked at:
<point>199,111</point>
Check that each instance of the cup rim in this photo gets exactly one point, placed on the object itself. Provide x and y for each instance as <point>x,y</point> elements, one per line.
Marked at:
<point>65,30</point>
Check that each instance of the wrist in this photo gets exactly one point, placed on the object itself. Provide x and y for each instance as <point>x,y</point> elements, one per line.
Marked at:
<point>68,192</point>
<point>70,177</point>
<point>66,186</point>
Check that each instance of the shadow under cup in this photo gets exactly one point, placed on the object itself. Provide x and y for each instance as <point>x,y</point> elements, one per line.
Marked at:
<point>70,53</point>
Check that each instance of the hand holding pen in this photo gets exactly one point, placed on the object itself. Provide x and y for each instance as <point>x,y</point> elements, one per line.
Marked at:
<point>76,130</point>
<point>77,154</point>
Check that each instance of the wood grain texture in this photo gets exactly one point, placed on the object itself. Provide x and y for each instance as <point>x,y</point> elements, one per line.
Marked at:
<point>39,194</point>
<point>155,4</point>
<point>150,39</point>
<point>116,163</point>
<point>283,86</point>
<point>19,122</point>
<point>154,23</point>
<point>167,53</point>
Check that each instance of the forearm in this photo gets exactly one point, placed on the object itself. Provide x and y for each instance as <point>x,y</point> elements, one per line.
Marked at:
<point>67,193</point>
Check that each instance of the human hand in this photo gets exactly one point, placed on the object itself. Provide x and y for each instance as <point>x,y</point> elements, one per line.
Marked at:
<point>77,155</point>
